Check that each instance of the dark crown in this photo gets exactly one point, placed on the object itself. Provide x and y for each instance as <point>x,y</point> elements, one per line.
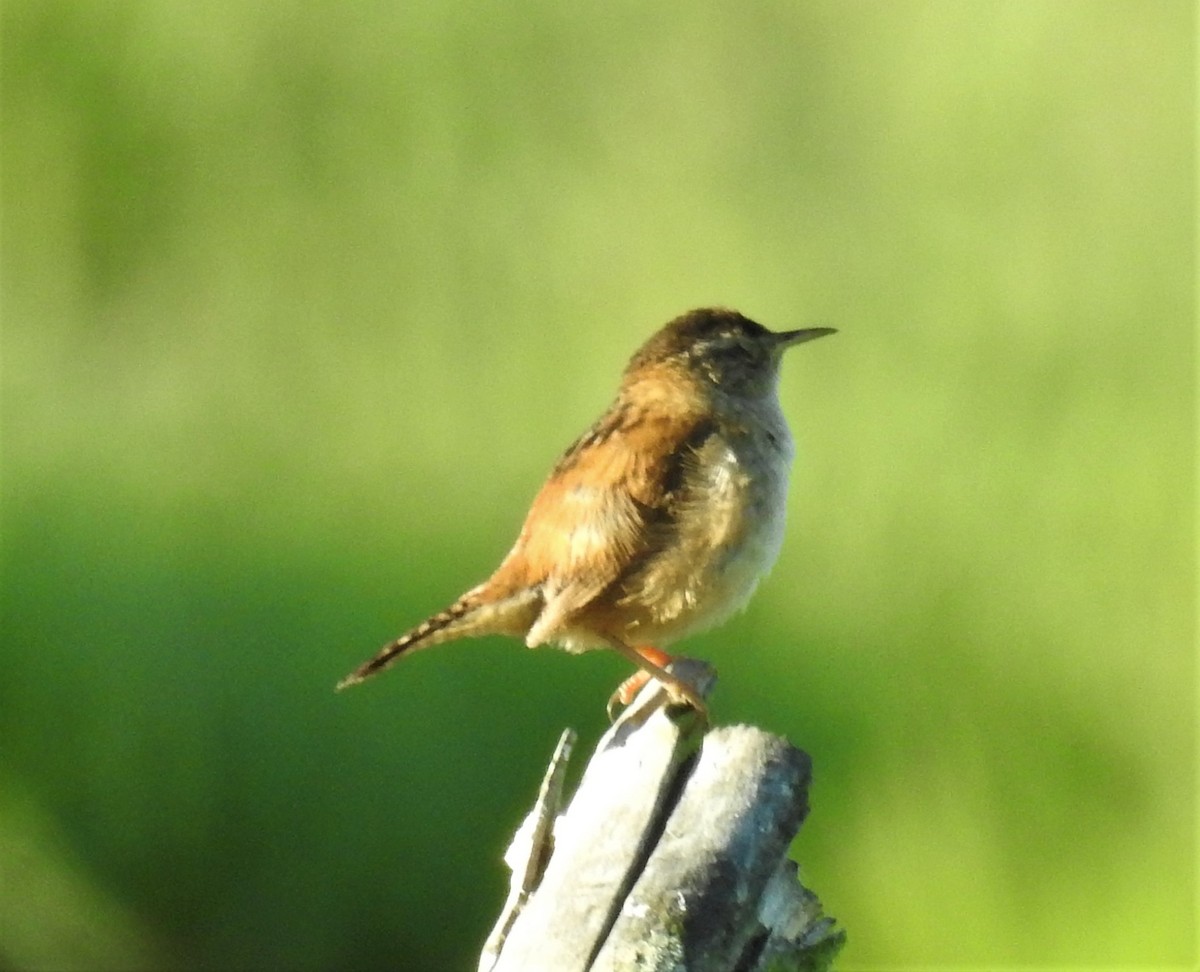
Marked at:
<point>699,333</point>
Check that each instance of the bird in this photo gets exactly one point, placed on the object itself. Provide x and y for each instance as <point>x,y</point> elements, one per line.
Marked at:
<point>658,522</point>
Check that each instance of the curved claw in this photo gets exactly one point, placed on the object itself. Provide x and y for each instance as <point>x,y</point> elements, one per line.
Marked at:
<point>626,692</point>
<point>652,664</point>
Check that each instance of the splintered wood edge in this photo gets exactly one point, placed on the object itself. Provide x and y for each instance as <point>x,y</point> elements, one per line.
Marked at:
<point>634,882</point>
<point>600,842</point>
<point>531,848</point>
<point>799,935</point>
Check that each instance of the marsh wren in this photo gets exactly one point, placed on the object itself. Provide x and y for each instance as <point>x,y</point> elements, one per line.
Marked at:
<point>659,521</point>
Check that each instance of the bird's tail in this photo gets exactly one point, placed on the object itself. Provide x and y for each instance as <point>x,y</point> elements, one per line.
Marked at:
<point>424,635</point>
<point>475,613</point>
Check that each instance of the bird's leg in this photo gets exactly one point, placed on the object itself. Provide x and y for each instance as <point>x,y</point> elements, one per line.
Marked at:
<point>627,691</point>
<point>652,663</point>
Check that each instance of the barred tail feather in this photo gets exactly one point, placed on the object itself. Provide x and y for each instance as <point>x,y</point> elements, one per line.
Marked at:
<point>424,635</point>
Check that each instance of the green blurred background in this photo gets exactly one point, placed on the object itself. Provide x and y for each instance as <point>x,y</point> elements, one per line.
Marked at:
<point>300,302</point>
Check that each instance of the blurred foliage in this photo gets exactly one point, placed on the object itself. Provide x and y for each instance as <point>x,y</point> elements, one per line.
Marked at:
<point>301,301</point>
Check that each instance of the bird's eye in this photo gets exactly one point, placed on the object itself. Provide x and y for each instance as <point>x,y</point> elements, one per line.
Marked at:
<point>742,348</point>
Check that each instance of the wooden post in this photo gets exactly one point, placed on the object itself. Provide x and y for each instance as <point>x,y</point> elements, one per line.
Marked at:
<point>672,854</point>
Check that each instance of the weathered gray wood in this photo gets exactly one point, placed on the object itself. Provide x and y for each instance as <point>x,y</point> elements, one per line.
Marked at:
<point>695,906</point>
<point>598,842</point>
<point>667,858</point>
<point>529,852</point>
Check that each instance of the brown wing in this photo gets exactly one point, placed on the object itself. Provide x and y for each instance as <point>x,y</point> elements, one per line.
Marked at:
<point>606,506</point>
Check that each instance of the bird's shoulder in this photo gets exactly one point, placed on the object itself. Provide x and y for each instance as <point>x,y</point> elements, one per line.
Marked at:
<point>609,491</point>
<point>634,448</point>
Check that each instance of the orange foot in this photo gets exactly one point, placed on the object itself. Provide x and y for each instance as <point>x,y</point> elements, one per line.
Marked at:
<point>627,691</point>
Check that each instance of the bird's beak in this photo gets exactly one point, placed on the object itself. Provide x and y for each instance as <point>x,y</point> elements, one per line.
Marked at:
<point>787,339</point>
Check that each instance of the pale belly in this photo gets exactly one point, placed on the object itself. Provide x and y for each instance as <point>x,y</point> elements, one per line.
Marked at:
<point>726,538</point>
